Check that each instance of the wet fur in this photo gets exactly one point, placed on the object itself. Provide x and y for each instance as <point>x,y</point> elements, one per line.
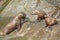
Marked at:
<point>13,25</point>
<point>40,14</point>
<point>50,21</point>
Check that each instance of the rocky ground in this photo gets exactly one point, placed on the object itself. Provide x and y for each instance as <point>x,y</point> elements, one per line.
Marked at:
<point>30,30</point>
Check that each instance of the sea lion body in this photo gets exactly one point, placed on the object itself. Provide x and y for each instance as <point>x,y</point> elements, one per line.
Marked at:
<point>50,21</point>
<point>10,27</point>
<point>13,25</point>
<point>40,16</point>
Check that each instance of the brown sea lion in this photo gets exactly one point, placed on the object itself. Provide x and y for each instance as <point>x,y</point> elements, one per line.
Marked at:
<point>40,14</point>
<point>50,21</point>
<point>14,24</point>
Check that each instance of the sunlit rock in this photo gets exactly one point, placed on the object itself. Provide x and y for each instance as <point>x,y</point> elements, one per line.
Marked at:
<point>31,30</point>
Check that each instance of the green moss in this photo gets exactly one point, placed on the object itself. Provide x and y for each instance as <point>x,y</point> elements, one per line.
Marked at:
<point>1,38</point>
<point>18,38</point>
<point>4,5</point>
<point>4,21</point>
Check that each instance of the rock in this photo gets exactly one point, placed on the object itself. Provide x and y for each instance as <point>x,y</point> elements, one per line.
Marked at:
<point>2,2</point>
<point>54,2</point>
<point>31,30</point>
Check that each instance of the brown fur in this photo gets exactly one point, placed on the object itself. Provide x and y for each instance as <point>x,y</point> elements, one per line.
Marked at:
<point>50,21</point>
<point>40,14</point>
<point>13,25</point>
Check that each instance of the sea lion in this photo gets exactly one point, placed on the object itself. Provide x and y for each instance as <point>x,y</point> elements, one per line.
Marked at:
<point>50,21</point>
<point>40,14</point>
<point>14,24</point>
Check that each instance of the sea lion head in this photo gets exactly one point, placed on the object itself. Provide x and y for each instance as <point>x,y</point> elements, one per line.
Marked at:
<point>22,15</point>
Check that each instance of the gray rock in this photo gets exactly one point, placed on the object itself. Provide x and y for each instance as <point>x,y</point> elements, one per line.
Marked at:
<point>31,30</point>
<point>54,2</point>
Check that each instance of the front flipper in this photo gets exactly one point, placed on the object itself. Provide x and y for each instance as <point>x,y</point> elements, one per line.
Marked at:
<point>18,28</point>
<point>18,25</point>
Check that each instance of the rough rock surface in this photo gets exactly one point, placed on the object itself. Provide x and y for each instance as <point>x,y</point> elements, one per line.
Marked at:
<point>54,2</point>
<point>30,30</point>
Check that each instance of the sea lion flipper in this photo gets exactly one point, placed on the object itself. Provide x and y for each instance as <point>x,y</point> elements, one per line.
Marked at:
<point>18,28</point>
<point>18,25</point>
